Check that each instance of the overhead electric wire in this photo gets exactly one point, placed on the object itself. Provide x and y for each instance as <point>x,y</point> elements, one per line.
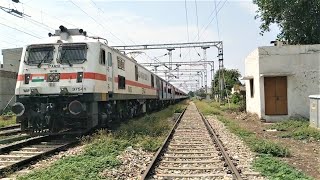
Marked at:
<point>107,19</point>
<point>21,31</point>
<point>215,4</point>
<point>197,17</point>
<point>186,10</point>
<point>206,26</point>
<point>96,21</point>
<point>53,17</point>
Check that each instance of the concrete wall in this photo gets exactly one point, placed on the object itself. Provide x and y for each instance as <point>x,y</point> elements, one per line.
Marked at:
<point>301,65</point>
<point>8,75</point>
<point>11,59</point>
<point>252,72</point>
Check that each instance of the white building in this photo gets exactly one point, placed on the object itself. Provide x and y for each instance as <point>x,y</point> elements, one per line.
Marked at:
<point>8,75</point>
<point>279,80</point>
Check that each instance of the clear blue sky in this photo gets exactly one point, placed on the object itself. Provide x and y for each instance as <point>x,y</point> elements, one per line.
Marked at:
<point>142,22</point>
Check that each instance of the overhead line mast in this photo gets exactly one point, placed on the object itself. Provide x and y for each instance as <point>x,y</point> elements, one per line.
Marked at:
<point>172,46</point>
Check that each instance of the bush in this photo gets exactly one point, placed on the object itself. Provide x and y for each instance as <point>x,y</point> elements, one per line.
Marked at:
<point>236,98</point>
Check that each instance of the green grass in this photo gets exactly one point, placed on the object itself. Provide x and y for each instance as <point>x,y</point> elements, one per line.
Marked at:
<point>275,169</point>
<point>255,143</point>
<point>297,129</point>
<point>101,150</point>
<point>6,121</point>
<point>210,108</point>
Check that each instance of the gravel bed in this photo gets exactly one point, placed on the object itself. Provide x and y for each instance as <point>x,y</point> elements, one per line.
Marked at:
<point>48,161</point>
<point>134,163</point>
<point>236,148</point>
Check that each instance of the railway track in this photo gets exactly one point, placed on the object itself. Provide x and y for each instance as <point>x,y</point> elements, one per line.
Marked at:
<point>10,130</point>
<point>19,154</point>
<point>192,151</point>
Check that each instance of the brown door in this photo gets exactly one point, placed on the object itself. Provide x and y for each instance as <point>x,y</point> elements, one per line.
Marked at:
<point>275,91</point>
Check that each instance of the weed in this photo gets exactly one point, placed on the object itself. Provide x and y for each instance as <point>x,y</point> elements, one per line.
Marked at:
<point>208,109</point>
<point>297,129</point>
<point>275,169</point>
<point>6,121</point>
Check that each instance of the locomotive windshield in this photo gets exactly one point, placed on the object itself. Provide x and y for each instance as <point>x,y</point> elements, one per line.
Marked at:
<point>38,55</point>
<point>73,54</point>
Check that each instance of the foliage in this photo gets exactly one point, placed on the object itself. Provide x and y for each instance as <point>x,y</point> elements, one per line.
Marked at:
<point>298,20</point>
<point>191,94</point>
<point>236,98</point>
<point>201,93</point>
<point>231,78</point>
<point>275,169</point>
<point>297,128</point>
<point>6,121</point>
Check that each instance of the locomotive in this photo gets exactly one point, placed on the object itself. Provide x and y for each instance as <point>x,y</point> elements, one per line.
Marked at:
<point>70,81</point>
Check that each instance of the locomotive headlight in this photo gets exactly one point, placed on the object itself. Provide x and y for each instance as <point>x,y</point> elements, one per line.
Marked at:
<point>50,77</point>
<point>79,77</point>
<point>27,78</point>
<point>56,77</point>
<point>53,77</point>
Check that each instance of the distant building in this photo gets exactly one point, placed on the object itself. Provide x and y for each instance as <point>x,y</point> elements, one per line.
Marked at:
<point>240,89</point>
<point>8,75</point>
<point>279,80</point>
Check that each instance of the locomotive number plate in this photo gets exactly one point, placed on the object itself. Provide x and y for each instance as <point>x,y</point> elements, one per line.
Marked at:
<point>52,84</point>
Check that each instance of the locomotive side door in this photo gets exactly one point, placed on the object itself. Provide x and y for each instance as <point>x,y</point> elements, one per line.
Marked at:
<point>109,72</point>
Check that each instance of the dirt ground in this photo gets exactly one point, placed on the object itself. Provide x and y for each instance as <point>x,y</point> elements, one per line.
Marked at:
<point>305,154</point>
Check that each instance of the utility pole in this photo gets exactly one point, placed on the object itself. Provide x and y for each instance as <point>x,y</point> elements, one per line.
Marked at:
<point>205,67</point>
<point>221,75</point>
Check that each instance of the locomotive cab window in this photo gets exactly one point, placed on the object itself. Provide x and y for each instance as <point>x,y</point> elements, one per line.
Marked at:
<point>109,59</point>
<point>121,82</point>
<point>72,54</point>
<point>39,54</point>
<point>102,57</point>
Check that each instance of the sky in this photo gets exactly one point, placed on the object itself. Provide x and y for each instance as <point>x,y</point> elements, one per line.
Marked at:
<point>143,22</point>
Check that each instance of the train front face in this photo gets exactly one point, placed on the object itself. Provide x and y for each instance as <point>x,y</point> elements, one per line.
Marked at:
<point>52,94</point>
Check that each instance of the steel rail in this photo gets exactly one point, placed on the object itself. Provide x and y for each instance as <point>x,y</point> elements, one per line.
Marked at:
<point>14,126</point>
<point>215,138</point>
<point>161,150</point>
<point>24,161</point>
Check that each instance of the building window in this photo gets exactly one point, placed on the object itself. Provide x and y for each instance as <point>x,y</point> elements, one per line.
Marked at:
<point>136,72</point>
<point>251,88</point>
<point>102,57</point>
<point>121,82</point>
<point>152,81</point>
<point>109,59</point>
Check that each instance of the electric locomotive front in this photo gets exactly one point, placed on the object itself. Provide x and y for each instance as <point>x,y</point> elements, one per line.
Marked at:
<point>56,83</point>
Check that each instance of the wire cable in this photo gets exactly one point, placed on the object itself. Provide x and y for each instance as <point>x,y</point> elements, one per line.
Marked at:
<point>21,31</point>
<point>96,21</point>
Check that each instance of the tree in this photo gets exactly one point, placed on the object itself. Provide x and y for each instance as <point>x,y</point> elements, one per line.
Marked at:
<point>298,20</point>
<point>231,78</point>
<point>191,94</point>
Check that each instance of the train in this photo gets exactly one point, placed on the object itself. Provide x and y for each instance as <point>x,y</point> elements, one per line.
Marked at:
<point>72,82</point>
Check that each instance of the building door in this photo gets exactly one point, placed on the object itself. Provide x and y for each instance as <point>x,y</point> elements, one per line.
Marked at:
<point>275,91</point>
